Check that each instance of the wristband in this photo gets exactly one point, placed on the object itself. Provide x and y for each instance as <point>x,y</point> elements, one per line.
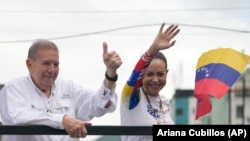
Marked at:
<point>113,79</point>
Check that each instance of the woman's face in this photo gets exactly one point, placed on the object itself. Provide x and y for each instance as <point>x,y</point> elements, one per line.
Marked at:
<point>155,77</point>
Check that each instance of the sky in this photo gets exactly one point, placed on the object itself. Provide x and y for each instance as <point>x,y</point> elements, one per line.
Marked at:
<point>79,27</point>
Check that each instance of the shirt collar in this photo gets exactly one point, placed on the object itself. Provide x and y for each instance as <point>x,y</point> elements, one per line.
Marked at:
<point>37,89</point>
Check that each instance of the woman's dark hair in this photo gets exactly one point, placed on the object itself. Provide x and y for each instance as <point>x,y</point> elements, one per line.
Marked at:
<point>162,57</point>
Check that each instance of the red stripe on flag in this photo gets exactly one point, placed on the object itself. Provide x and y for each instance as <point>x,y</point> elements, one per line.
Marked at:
<point>211,87</point>
<point>203,106</point>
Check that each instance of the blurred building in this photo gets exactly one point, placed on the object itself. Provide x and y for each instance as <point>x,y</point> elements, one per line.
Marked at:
<point>1,85</point>
<point>230,109</point>
<point>109,138</point>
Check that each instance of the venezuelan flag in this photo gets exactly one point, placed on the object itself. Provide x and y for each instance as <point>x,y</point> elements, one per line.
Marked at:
<point>216,71</point>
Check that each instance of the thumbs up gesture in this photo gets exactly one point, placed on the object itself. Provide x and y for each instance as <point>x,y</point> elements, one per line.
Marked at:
<point>111,59</point>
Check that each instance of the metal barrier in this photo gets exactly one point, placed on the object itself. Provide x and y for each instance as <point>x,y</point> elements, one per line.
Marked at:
<point>92,130</point>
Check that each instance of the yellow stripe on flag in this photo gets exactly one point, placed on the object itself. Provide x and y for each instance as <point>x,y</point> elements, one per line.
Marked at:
<point>228,56</point>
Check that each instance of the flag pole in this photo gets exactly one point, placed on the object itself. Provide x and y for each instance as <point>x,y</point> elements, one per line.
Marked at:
<point>229,106</point>
<point>243,98</point>
<point>243,94</point>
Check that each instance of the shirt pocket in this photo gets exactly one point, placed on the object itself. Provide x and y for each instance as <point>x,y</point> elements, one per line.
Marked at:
<point>37,105</point>
<point>65,106</point>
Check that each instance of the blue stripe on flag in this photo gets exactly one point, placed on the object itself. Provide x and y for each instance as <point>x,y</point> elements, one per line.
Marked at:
<point>217,71</point>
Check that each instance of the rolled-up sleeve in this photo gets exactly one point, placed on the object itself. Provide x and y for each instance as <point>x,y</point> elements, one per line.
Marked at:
<point>92,103</point>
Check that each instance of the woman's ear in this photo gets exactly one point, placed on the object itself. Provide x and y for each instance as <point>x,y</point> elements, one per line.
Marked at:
<point>167,70</point>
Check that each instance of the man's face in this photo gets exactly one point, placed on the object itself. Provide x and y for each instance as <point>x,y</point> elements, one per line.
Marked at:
<point>44,69</point>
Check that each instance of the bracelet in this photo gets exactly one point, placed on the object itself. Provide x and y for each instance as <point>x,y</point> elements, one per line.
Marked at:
<point>113,79</point>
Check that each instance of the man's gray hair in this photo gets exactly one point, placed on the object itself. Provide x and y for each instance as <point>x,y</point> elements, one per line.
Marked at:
<point>41,44</point>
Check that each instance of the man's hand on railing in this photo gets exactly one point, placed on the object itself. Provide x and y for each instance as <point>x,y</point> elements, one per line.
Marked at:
<point>74,127</point>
